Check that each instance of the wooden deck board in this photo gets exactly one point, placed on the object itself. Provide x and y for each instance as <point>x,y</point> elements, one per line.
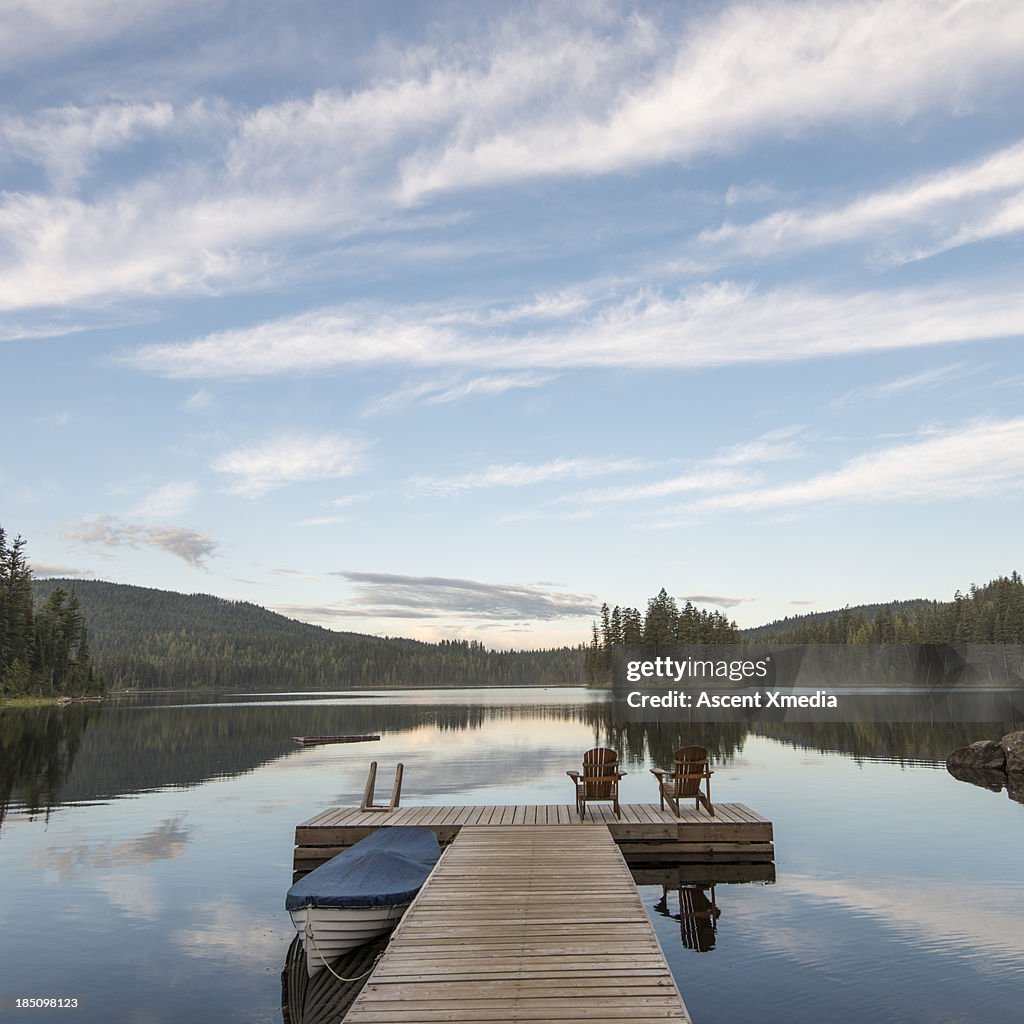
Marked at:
<point>645,833</point>
<point>496,935</point>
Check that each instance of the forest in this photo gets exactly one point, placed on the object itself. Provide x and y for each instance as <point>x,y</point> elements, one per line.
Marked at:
<point>44,649</point>
<point>75,636</point>
<point>155,639</point>
<point>993,613</point>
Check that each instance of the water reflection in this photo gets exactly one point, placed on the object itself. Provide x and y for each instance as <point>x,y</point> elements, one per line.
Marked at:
<point>82,753</point>
<point>326,996</point>
<point>697,915</point>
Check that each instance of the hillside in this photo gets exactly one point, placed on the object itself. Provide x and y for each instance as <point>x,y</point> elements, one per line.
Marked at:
<point>156,639</point>
<point>862,612</point>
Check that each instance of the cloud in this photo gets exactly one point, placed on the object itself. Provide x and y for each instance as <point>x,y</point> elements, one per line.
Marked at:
<point>510,98</point>
<point>984,458</point>
<point>926,380</point>
<point>322,521</point>
<point>698,480</point>
<point>296,458</point>
<point>719,599</point>
<point>190,546</point>
<point>384,595</point>
<point>961,204</point>
<point>64,140</point>
<point>298,574</point>
<point>713,474</point>
<point>731,78</point>
<point>173,499</point>
<point>453,390</point>
<point>710,325</point>
<point>519,474</point>
<point>774,446</point>
<point>43,569</point>
<point>200,401</point>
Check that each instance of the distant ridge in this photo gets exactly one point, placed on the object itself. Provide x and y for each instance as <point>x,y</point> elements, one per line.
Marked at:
<point>160,639</point>
<point>905,608</point>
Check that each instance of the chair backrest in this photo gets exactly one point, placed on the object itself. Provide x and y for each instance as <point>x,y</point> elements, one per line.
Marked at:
<point>600,766</point>
<point>691,764</point>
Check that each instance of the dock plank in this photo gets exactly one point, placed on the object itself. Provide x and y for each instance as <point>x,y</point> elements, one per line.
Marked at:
<point>645,833</point>
<point>497,932</point>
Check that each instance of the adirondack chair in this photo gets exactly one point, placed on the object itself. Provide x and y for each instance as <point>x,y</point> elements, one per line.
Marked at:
<point>691,769</point>
<point>599,779</point>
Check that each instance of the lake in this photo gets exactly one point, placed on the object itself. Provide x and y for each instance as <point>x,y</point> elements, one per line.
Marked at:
<point>146,848</point>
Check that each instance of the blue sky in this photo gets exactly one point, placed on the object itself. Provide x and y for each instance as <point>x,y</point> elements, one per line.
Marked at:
<point>456,320</point>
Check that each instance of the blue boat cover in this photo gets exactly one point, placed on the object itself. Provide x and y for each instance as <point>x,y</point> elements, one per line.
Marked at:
<point>385,869</point>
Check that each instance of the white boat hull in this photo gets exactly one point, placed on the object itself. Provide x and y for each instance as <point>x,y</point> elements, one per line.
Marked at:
<point>327,932</point>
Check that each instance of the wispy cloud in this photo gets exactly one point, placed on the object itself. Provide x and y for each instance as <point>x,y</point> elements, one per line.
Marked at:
<point>443,392</point>
<point>171,500</point>
<point>200,401</point>
<point>520,474</point>
<point>190,546</point>
<point>511,98</point>
<point>926,380</point>
<point>386,595</point>
<point>965,203</point>
<point>723,471</point>
<point>298,574</point>
<point>733,77</point>
<point>44,569</point>
<point>697,480</point>
<point>984,458</point>
<point>712,325</point>
<point>290,459</point>
<point>719,599</point>
<point>322,521</point>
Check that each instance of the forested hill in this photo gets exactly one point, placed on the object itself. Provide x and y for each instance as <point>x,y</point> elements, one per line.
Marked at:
<point>993,613</point>
<point>156,639</point>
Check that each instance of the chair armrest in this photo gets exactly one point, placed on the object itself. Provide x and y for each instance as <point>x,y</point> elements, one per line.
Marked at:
<point>575,776</point>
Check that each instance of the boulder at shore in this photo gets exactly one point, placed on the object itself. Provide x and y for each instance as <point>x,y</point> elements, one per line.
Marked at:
<point>984,754</point>
<point>1013,747</point>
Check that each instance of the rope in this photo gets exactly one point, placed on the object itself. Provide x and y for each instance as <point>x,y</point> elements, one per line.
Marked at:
<point>358,977</point>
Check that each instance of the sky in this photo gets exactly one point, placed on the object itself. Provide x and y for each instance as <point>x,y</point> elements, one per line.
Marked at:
<point>456,320</point>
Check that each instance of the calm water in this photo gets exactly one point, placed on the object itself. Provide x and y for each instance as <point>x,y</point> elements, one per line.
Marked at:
<point>146,848</point>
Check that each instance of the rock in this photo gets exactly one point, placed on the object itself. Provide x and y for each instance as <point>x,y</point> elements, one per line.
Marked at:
<point>983,754</point>
<point>1013,747</point>
<point>987,779</point>
<point>1015,786</point>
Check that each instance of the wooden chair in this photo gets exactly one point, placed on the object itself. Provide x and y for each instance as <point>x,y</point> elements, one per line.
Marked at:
<point>690,770</point>
<point>599,779</point>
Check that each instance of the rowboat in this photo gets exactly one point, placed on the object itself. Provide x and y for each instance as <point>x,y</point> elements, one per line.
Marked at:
<point>361,893</point>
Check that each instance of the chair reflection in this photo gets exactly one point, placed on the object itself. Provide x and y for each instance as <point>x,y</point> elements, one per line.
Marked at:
<point>698,915</point>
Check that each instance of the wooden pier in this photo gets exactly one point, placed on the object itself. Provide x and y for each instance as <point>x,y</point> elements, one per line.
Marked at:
<point>645,834</point>
<point>522,922</point>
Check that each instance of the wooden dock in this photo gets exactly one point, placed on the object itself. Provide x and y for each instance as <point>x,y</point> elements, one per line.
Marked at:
<point>645,833</point>
<point>529,923</point>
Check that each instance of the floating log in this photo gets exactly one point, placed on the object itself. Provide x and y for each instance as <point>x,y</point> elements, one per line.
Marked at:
<point>310,741</point>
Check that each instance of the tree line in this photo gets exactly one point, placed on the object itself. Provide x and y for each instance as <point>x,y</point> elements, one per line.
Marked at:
<point>44,650</point>
<point>993,613</point>
<point>663,622</point>
<point>155,639</point>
